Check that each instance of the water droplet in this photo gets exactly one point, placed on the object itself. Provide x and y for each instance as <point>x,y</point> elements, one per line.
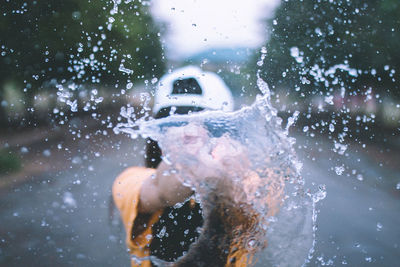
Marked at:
<point>69,200</point>
<point>320,194</point>
<point>73,105</point>
<point>263,50</point>
<point>340,148</point>
<point>379,227</point>
<point>339,170</point>
<point>331,128</point>
<point>46,153</point>
<point>251,244</point>
<point>125,70</point>
<point>76,15</point>
<point>76,160</point>
<point>329,99</point>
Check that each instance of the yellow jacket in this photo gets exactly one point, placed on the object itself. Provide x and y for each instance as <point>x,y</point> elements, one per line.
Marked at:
<point>126,193</point>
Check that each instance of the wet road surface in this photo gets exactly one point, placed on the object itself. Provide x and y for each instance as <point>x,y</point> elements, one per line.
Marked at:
<point>62,217</point>
<point>358,221</point>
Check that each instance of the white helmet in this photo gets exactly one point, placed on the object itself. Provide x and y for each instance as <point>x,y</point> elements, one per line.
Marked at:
<point>190,86</point>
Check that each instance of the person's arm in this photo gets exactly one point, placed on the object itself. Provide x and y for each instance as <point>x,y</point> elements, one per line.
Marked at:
<point>164,188</point>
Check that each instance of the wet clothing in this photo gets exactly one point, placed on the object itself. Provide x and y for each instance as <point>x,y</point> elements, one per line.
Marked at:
<point>167,233</point>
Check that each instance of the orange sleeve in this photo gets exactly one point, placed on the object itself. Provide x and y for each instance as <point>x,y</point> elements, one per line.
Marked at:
<point>126,195</point>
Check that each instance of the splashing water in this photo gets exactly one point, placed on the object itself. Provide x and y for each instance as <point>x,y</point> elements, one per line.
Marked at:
<point>270,214</point>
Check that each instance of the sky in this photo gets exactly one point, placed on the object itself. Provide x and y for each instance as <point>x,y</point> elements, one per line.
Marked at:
<point>196,25</point>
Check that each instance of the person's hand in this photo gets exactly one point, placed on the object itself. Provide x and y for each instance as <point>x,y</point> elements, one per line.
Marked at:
<point>231,155</point>
<point>188,139</point>
<point>188,148</point>
<point>197,156</point>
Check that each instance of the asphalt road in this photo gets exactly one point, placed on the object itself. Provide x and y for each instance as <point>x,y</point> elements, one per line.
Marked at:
<point>358,221</point>
<point>61,217</point>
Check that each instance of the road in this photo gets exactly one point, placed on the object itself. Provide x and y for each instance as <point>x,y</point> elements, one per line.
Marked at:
<point>61,217</point>
<point>358,221</point>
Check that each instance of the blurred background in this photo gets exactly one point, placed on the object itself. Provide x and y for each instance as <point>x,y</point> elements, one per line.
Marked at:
<point>68,67</point>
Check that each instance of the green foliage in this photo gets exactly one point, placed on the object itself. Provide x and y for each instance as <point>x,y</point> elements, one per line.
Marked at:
<point>77,40</point>
<point>361,34</point>
<point>9,162</point>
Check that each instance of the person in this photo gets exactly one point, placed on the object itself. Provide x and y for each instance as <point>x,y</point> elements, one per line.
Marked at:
<point>159,213</point>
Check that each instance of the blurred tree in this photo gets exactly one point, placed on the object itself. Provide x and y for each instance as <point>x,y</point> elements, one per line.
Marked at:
<point>309,37</point>
<point>77,40</point>
<point>9,162</point>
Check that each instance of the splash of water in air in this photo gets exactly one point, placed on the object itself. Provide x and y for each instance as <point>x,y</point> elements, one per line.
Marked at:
<point>271,215</point>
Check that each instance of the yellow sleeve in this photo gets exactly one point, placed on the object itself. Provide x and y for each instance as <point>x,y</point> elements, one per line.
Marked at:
<point>126,194</point>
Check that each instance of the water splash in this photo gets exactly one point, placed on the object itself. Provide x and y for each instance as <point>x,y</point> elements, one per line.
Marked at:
<point>271,214</point>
